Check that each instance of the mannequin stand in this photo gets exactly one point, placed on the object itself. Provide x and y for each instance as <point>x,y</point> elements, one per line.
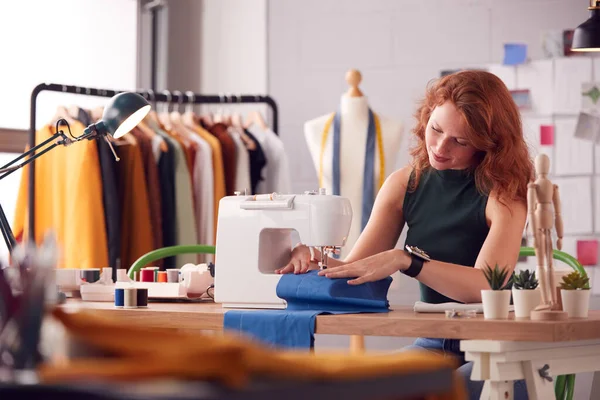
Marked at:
<point>549,315</point>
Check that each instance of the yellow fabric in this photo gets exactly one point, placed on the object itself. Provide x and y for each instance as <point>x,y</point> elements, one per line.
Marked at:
<point>218,170</point>
<point>68,201</point>
<point>378,139</point>
<point>143,353</point>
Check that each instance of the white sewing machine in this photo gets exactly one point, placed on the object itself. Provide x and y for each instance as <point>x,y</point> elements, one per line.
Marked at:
<point>255,236</point>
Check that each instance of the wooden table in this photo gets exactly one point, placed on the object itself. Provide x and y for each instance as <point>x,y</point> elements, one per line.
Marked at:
<point>502,350</point>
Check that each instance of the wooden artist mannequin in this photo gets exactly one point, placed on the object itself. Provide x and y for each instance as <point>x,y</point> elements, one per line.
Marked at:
<point>543,203</point>
<point>354,111</point>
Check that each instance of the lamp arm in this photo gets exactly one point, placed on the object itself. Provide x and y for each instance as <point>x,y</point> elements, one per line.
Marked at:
<point>10,168</point>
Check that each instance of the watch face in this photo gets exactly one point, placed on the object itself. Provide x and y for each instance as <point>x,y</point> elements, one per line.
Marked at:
<point>418,252</point>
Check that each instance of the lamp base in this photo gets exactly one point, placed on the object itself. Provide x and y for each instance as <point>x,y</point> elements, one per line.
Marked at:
<point>549,315</point>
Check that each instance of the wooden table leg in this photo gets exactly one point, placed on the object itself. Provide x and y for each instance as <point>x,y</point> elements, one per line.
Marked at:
<point>357,344</point>
<point>595,386</point>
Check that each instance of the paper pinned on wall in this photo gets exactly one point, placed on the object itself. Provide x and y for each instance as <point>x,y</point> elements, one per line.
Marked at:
<point>576,199</point>
<point>546,135</point>
<point>573,155</point>
<point>515,53</point>
<point>538,77</point>
<point>587,252</point>
<point>588,127</point>
<point>522,98</point>
<point>569,74</point>
<point>590,97</point>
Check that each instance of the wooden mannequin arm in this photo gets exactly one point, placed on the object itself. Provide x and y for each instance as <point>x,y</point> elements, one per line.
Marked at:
<point>558,217</point>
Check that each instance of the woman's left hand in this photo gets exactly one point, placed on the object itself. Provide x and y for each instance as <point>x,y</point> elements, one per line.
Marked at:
<point>370,269</point>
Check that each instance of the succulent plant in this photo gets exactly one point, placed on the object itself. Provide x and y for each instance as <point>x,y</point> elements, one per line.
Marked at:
<point>496,277</point>
<point>574,281</point>
<point>524,280</point>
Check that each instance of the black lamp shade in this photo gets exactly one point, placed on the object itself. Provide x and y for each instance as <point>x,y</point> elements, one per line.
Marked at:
<point>586,36</point>
<point>123,112</point>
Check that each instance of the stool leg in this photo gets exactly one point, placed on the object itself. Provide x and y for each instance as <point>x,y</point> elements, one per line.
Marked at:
<point>357,344</point>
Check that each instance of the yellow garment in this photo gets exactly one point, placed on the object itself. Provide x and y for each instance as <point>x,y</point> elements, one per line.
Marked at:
<point>143,353</point>
<point>68,201</point>
<point>218,170</point>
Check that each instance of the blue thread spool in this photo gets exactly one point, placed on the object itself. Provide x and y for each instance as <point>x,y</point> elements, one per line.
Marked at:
<point>119,297</point>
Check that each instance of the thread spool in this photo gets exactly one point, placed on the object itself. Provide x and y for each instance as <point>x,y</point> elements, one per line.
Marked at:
<point>173,275</point>
<point>142,297</point>
<point>122,275</point>
<point>162,276</point>
<point>90,275</point>
<point>130,298</point>
<point>119,297</point>
<point>107,275</point>
<point>147,275</point>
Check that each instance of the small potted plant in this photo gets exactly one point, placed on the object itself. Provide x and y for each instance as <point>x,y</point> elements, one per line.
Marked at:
<point>525,296</point>
<point>496,300</point>
<point>575,293</point>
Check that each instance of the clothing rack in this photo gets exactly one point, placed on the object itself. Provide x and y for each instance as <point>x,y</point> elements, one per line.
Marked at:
<point>173,97</point>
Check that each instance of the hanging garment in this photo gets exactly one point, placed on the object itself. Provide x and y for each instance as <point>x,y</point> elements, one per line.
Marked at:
<point>185,223</point>
<point>136,228</point>
<point>203,187</point>
<point>68,188</point>
<point>307,295</point>
<point>373,138</point>
<point>242,164</point>
<point>166,172</point>
<point>110,197</point>
<point>276,174</point>
<point>151,175</point>
<point>218,172</point>
<point>219,131</point>
<point>258,161</point>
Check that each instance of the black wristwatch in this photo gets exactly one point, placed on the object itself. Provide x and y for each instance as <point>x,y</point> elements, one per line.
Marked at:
<point>418,257</point>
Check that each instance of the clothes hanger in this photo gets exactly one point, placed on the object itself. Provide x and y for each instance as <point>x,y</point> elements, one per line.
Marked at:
<point>177,120</point>
<point>152,116</point>
<point>238,124</point>
<point>189,117</point>
<point>218,116</point>
<point>163,116</point>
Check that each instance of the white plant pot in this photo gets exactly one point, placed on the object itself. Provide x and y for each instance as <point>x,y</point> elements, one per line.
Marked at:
<point>576,302</point>
<point>495,303</point>
<point>525,301</point>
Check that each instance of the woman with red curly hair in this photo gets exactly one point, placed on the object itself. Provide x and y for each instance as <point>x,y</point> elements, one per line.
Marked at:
<point>463,198</point>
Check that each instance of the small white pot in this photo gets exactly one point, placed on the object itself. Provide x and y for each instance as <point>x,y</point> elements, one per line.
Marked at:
<point>525,301</point>
<point>495,303</point>
<point>576,302</point>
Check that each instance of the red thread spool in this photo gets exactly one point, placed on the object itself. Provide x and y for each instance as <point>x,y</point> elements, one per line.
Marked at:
<point>162,276</point>
<point>147,275</point>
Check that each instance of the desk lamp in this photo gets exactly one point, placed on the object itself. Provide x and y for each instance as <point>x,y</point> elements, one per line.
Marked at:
<point>586,36</point>
<point>122,113</point>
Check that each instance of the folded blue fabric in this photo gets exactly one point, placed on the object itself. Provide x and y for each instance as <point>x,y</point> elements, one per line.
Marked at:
<point>307,295</point>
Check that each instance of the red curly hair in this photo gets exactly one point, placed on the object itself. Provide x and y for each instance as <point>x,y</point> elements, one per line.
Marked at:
<point>503,164</point>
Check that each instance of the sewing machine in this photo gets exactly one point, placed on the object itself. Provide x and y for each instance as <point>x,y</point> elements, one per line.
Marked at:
<point>255,235</point>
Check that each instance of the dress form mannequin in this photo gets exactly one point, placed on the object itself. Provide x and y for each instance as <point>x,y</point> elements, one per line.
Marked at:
<point>354,109</point>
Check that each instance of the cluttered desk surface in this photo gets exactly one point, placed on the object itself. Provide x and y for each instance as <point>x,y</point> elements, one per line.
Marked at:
<point>402,321</point>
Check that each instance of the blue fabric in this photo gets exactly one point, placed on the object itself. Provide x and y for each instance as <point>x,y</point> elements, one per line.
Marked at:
<point>307,295</point>
<point>368,195</point>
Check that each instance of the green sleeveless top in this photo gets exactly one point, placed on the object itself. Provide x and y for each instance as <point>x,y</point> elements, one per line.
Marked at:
<point>445,216</point>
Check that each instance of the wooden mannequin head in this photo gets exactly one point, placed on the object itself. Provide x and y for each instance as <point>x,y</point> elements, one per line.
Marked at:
<point>353,78</point>
<point>542,165</point>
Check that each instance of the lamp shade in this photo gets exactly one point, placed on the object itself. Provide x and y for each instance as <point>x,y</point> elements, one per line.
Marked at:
<point>586,36</point>
<point>123,112</point>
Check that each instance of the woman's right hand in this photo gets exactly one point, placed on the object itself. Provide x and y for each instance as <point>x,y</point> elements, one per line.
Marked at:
<point>299,262</point>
